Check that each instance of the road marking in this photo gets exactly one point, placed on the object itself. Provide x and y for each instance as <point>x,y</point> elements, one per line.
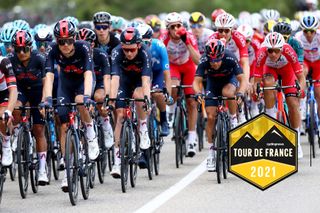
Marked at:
<point>173,190</point>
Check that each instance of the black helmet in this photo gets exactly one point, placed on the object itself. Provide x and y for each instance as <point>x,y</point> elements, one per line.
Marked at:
<point>130,36</point>
<point>64,29</point>
<point>43,34</point>
<point>102,18</point>
<point>86,34</point>
<point>21,38</point>
<point>283,28</point>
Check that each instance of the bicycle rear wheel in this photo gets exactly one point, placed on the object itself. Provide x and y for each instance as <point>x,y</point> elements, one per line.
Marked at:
<point>55,163</point>
<point>200,131</point>
<point>133,156</point>
<point>178,136</point>
<point>2,180</point>
<point>219,139</point>
<point>311,129</point>
<point>23,161</point>
<point>124,154</point>
<point>71,164</point>
<point>102,158</point>
<point>84,169</point>
<point>13,167</point>
<point>34,168</point>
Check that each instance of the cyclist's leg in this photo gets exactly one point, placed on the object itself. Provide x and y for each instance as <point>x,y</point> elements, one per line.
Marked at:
<point>6,147</point>
<point>269,79</point>
<point>175,80</point>
<point>229,90</point>
<point>316,76</point>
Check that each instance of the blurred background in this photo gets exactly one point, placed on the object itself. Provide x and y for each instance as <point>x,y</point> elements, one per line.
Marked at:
<point>50,11</point>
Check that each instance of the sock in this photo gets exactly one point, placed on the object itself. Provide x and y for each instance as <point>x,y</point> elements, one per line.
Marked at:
<point>117,160</point>
<point>42,163</point>
<point>172,108</point>
<point>143,125</point>
<point>192,136</point>
<point>6,142</point>
<point>271,112</point>
<point>163,116</point>
<point>233,119</point>
<point>298,131</point>
<point>105,123</point>
<point>90,131</point>
<point>211,149</point>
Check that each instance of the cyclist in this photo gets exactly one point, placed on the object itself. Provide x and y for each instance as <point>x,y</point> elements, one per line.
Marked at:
<point>160,73</point>
<point>277,58</point>
<point>214,16</point>
<point>197,25</point>
<point>8,99</point>
<point>29,68</point>
<point>76,81</point>
<point>106,40</point>
<point>223,74</point>
<point>43,38</point>
<point>183,56</point>
<point>155,24</point>
<point>118,25</point>
<point>310,39</point>
<point>5,38</point>
<point>102,72</point>
<point>131,71</point>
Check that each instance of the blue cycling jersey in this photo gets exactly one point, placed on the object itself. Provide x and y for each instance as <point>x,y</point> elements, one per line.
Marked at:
<point>159,56</point>
<point>3,51</point>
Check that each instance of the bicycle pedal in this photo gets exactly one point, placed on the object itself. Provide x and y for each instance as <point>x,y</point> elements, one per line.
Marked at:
<point>65,189</point>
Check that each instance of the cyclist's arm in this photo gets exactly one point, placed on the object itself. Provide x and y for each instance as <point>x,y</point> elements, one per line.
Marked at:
<point>244,61</point>
<point>88,67</point>
<point>105,71</point>
<point>193,49</point>
<point>243,83</point>
<point>197,84</point>
<point>49,77</point>
<point>11,82</point>
<point>13,96</point>
<point>88,79</point>
<point>115,72</point>
<point>302,80</point>
<point>146,72</point>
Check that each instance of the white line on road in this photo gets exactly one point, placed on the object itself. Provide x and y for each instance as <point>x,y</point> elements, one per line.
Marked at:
<point>173,190</point>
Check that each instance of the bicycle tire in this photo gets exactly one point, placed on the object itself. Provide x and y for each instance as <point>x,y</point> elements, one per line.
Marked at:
<point>219,139</point>
<point>133,163</point>
<point>110,156</point>
<point>23,161</point>
<point>55,164</point>
<point>84,169</point>
<point>92,175</point>
<point>124,141</point>
<point>102,158</point>
<point>13,167</point>
<point>49,153</point>
<point>149,158</point>
<point>225,149</point>
<point>177,136</point>
<point>34,169</point>
<point>156,153</point>
<point>200,130</point>
<point>2,180</point>
<point>183,144</point>
<point>71,165</point>
<point>311,130</point>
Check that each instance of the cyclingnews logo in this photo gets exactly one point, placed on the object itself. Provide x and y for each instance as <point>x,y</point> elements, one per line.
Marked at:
<point>263,151</point>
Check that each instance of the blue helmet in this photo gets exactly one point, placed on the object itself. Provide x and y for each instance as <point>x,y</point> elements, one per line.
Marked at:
<point>309,22</point>
<point>72,19</point>
<point>21,24</point>
<point>38,27</point>
<point>7,33</point>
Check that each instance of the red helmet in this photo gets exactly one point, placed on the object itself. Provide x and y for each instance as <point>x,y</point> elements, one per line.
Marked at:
<point>86,34</point>
<point>64,29</point>
<point>215,48</point>
<point>215,13</point>
<point>21,38</point>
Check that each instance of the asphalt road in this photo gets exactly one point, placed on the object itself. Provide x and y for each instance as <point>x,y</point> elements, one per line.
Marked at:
<point>187,189</point>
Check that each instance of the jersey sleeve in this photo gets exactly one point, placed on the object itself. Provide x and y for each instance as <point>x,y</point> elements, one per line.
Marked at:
<point>202,66</point>
<point>115,61</point>
<point>240,41</point>
<point>87,58</point>
<point>193,41</point>
<point>146,58</point>
<point>42,64</point>
<point>164,56</point>
<point>235,66</point>
<point>6,68</point>
<point>297,46</point>
<point>49,65</point>
<point>260,61</point>
<point>292,57</point>
<point>105,65</point>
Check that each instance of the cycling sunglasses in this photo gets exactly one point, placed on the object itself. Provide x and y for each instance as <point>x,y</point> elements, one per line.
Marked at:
<point>68,41</point>
<point>274,50</point>
<point>311,31</point>
<point>132,50</point>
<point>7,44</point>
<point>172,27</point>
<point>99,27</point>
<point>42,44</point>
<point>215,60</point>
<point>226,31</point>
<point>24,49</point>
<point>194,26</point>
<point>147,41</point>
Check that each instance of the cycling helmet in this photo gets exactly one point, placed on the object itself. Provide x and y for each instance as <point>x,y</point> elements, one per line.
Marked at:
<point>154,23</point>
<point>173,18</point>
<point>274,40</point>
<point>21,24</point>
<point>197,18</point>
<point>215,14</point>
<point>268,26</point>
<point>284,19</point>
<point>270,14</point>
<point>130,36</point>
<point>309,22</point>
<point>7,33</point>
<point>246,30</point>
<point>21,38</point>
<point>225,20</point>
<point>118,23</point>
<point>256,21</point>
<point>86,34</point>
<point>295,25</point>
<point>85,24</point>
<point>145,31</point>
<point>64,29</point>
<point>74,20</point>
<point>38,27</point>
<point>215,48</point>
<point>283,28</point>
<point>43,34</point>
<point>101,18</point>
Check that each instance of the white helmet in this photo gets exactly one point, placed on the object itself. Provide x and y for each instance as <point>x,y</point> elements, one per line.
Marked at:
<point>246,30</point>
<point>295,25</point>
<point>270,14</point>
<point>173,18</point>
<point>309,21</point>
<point>274,40</point>
<point>256,21</point>
<point>225,20</point>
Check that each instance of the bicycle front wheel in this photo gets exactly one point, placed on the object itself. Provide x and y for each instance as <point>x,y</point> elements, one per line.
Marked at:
<point>23,161</point>
<point>84,169</point>
<point>311,129</point>
<point>178,136</point>
<point>219,139</point>
<point>71,164</point>
<point>124,154</point>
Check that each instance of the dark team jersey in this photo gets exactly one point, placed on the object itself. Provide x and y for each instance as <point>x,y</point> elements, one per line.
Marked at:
<point>229,67</point>
<point>7,77</point>
<point>131,70</point>
<point>101,64</point>
<point>114,41</point>
<point>33,73</point>
<point>74,66</point>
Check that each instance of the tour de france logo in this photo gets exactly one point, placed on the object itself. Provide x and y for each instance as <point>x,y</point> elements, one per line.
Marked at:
<point>263,151</point>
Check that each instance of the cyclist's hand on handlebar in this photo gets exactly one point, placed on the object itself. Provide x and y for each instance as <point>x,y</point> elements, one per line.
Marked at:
<point>88,103</point>
<point>7,117</point>
<point>147,104</point>
<point>170,101</point>
<point>47,104</point>
<point>199,97</point>
<point>239,97</point>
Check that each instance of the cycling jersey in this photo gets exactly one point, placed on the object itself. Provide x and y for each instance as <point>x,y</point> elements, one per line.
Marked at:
<point>236,44</point>
<point>101,66</point>
<point>253,52</point>
<point>298,48</point>
<point>159,62</point>
<point>7,77</point>
<point>202,40</point>
<point>114,41</point>
<point>3,51</point>
<point>217,79</point>
<point>311,50</point>
<point>130,71</point>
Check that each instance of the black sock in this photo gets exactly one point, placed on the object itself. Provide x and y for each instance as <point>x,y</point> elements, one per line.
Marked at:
<point>163,117</point>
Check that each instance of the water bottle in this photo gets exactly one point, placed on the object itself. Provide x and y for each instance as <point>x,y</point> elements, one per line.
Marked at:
<point>53,135</point>
<point>31,144</point>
